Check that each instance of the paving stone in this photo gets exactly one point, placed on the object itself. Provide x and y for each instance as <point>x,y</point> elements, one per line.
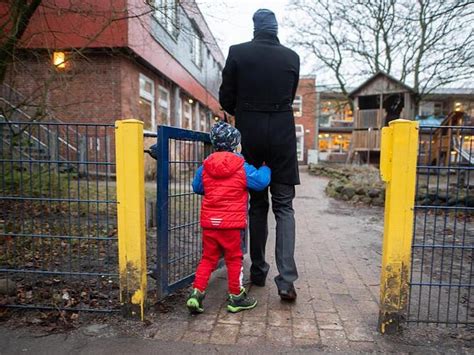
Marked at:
<point>320,305</point>
<point>275,303</point>
<point>337,287</point>
<point>333,337</point>
<point>202,323</point>
<point>253,328</point>
<point>305,328</point>
<point>279,318</point>
<point>250,316</point>
<point>228,317</point>
<point>213,306</point>
<point>171,330</point>
<point>196,337</point>
<point>260,310</point>
<point>346,307</point>
<point>361,294</point>
<point>260,293</point>
<point>224,334</point>
<point>359,331</point>
<point>251,340</point>
<point>302,310</point>
<point>279,336</point>
<point>307,343</point>
<point>367,307</point>
<point>329,321</point>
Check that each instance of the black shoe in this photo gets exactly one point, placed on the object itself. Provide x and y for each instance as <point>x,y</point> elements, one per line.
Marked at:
<point>288,295</point>
<point>257,281</point>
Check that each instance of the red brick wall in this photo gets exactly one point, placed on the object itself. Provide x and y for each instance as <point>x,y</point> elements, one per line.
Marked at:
<point>130,73</point>
<point>307,90</point>
<point>99,88</point>
<point>86,91</point>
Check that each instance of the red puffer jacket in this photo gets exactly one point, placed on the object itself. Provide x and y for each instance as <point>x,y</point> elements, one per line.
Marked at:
<point>224,205</point>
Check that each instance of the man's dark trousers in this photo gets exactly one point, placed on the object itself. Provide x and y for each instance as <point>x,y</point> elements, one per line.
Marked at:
<point>282,206</point>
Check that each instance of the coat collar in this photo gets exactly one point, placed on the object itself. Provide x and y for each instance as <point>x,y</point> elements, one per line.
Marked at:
<point>265,37</point>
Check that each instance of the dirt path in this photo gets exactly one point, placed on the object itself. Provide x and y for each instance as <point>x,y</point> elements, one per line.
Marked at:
<point>338,256</point>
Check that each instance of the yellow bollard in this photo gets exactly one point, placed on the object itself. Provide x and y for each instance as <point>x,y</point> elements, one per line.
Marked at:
<point>131,216</point>
<point>399,151</point>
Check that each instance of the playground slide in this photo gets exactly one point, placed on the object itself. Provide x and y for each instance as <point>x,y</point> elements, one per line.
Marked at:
<point>467,155</point>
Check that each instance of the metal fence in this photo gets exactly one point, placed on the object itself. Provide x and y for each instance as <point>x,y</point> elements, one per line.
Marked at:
<point>178,248</point>
<point>441,286</point>
<point>58,244</point>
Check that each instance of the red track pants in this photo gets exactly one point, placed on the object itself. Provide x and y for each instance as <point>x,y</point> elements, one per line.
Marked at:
<point>214,242</point>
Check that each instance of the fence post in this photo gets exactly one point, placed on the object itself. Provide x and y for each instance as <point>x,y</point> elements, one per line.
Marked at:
<point>131,216</point>
<point>398,158</point>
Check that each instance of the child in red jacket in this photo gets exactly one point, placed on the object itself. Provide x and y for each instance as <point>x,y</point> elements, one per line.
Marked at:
<point>224,180</point>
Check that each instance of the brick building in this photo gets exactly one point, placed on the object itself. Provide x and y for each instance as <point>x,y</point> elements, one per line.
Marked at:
<point>304,108</point>
<point>99,61</point>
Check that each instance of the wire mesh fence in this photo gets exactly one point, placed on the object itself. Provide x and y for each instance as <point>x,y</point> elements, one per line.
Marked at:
<point>58,244</point>
<point>442,285</point>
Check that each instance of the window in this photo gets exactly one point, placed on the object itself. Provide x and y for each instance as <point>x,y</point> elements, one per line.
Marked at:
<point>335,113</point>
<point>196,48</point>
<point>187,116</point>
<point>334,143</point>
<point>203,121</point>
<point>299,130</point>
<point>166,12</point>
<point>438,109</point>
<point>164,105</point>
<point>146,102</point>
<point>298,106</point>
<point>178,121</point>
<point>59,60</point>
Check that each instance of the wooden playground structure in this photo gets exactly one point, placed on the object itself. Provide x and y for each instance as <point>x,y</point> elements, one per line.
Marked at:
<point>450,143</point>
<point>382,99</point>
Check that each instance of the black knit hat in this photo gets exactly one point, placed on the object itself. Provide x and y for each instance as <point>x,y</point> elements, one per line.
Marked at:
<point>224,137</point>
<point>264,20</point>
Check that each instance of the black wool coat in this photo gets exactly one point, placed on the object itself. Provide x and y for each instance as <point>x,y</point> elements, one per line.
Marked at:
<point>259,83</point>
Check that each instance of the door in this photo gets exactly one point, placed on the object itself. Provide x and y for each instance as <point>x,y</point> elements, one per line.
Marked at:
<point>300,142</point>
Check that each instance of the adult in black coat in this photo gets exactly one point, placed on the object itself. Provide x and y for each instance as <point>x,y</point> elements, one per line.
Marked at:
<point>259,83</point>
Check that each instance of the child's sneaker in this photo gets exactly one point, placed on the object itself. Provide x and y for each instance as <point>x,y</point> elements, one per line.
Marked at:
<point>241,302</point>
<point>194,302</point>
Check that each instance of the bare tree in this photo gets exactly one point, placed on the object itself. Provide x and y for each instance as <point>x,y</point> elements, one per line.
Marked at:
<point>425,43</point>
<point>19,27</point>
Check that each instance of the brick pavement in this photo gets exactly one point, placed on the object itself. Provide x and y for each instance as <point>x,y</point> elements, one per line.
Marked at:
<point>338,255</point>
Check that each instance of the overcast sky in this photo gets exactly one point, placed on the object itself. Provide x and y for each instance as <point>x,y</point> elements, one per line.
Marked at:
<point>231,21</point>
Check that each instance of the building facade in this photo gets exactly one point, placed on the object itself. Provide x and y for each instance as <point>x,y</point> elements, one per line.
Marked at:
<point>100,61</point>
<point>304,109</point>
<point>337,120</point>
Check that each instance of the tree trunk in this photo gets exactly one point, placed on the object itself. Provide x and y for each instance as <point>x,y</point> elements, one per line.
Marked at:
<point>21,13</point>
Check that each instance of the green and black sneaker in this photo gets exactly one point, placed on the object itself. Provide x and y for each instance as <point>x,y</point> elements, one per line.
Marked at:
<point>241,302</point>
<point>194,302</point>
